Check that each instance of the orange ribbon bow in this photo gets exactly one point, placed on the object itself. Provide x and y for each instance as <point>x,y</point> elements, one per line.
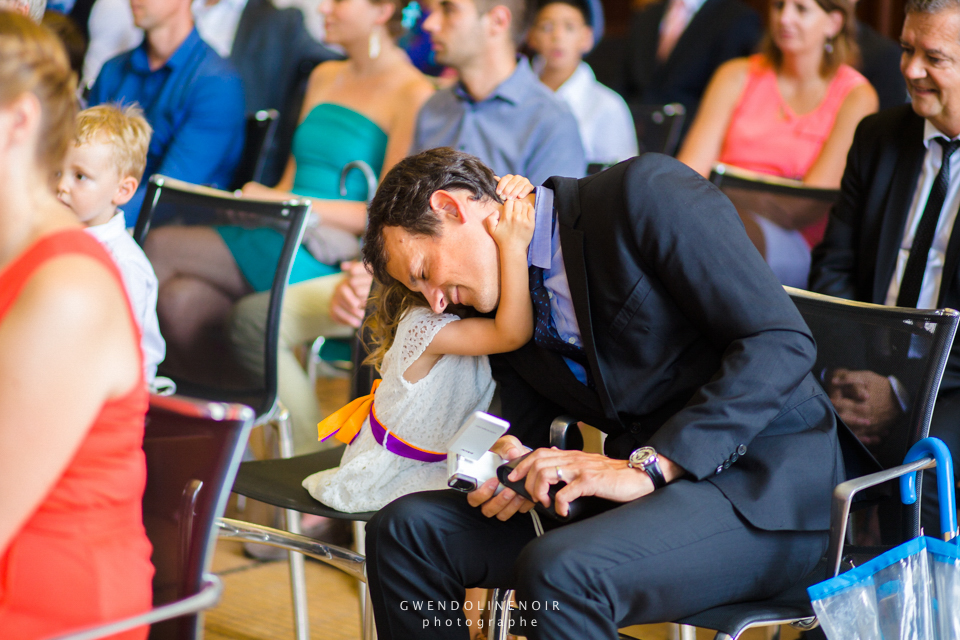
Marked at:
<point>345,423</point>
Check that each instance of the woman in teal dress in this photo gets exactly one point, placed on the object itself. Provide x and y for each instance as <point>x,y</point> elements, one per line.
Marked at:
<point>363,108</point>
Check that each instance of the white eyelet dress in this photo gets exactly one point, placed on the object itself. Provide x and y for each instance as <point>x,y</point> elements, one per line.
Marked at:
<point>426,414</point>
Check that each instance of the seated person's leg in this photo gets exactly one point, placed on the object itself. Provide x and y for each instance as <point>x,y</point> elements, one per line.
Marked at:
<point>786,252</point>
<point>198,283</point>
<point>424,549</point>
<point>679,551</point>
<point>304,317</point>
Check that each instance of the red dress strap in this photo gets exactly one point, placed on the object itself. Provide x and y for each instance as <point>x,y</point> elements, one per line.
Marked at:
<point>71,241</point>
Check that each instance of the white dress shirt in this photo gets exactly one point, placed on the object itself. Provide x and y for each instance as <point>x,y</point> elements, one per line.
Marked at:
<point>930,289</point>
<point>692,7</point>
<point>217,23</point>
<point>141,284</point>
<point>606,126</point>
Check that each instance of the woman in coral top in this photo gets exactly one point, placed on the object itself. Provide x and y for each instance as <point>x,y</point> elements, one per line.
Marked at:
<point>790,112</point>
<point>73,551</point>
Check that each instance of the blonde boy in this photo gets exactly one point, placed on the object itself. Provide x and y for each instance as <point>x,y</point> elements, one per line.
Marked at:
<point>101,173</point>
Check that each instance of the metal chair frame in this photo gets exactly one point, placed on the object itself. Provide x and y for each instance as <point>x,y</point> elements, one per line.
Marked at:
<point>270,411</point>
<point>672,115</point>
<point>210,587</point>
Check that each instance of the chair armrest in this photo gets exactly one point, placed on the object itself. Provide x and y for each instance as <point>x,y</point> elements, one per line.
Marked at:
<point>565,434</point>
<point>350,562</point>
<point>208,596</point>
<point>843,495</point>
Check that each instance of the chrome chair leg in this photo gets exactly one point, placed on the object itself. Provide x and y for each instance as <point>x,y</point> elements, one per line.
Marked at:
<point>298,577</point>
<point>498,624</point>
<point>687,632</point>
<point>367,626</point>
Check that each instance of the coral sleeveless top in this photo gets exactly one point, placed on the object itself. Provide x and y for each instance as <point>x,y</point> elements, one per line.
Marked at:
<point>83,557</point>
<point>765,135</point>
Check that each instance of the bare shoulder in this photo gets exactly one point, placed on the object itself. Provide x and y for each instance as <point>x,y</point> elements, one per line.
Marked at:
<point>862,100</point>
<point>323,74</point>
<point>733,73</point>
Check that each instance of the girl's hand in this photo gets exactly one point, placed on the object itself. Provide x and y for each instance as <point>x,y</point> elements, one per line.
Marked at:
<point>512,228</point>
<point>512,187</point>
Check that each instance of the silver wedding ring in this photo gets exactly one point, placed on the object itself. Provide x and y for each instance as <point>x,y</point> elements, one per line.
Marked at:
<point>559,475</point>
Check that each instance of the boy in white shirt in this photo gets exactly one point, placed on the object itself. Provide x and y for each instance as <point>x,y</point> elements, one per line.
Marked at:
<point>101,171</point>
<point>562,34</point>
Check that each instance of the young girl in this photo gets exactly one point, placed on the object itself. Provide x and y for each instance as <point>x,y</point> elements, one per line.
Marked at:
<point>435,373</point>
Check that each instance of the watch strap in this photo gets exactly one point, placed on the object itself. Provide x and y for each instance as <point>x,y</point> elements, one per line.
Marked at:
<point>652,467</point>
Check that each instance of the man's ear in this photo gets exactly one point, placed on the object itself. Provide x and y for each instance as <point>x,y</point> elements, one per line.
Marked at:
<point>447,205</point>
<point>125,190</point>
<point>499,19</point>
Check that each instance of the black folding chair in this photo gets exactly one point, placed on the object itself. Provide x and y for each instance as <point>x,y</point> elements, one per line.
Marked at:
<point>261,130</point>
<point>909,344</point>
<point>659,126</point>
<point>193,449</point>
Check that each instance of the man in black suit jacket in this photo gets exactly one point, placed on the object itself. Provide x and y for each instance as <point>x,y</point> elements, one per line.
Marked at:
<point>892,165</point>
<point>689,346</point>
<point>718,31</point>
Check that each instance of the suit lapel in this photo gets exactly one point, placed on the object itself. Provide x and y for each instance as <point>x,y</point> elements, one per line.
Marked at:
<point>249,19</point>
<point>567,202</point>
<point>900,167</point>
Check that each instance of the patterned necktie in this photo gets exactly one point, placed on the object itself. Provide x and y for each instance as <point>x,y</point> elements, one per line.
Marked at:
<point>544,333</point>
<point>923,238</point>
<point>671,28</point>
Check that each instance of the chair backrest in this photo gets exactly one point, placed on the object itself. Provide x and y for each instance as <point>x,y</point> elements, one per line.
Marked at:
<point>907,347</point>
<point>786,202</point>
<point>658,126</point>
<point>173,202</point>
<point>193,449</point>
<point>261,129</point>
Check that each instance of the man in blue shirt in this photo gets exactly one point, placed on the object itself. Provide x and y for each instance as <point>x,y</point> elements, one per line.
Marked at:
<point>498,111</point>
<point>191,96</point>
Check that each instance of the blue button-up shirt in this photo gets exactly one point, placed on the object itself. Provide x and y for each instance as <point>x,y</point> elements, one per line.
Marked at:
<point>194,103</point>
<point>520,128</point>
<point>545,252</point>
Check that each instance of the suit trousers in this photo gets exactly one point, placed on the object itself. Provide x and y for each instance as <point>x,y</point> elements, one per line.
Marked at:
<point>678,551</point>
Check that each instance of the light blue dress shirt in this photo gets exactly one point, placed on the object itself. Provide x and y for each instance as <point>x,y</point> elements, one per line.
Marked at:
<point>194,103</point>
<point>545,252</point>
<point>520,128</point>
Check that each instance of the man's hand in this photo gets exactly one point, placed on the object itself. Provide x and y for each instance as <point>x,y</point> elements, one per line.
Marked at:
<point>865,402</point>
<point>350,296</point>
<point>507,503</point>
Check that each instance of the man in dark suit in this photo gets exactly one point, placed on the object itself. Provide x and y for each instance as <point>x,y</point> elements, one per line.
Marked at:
<point>658,72</point>
<point>890,239</point>
<point>677,341</point>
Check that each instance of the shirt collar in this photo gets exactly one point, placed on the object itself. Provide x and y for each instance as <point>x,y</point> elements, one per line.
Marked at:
<point>199,7</point>
<point>578,85</point>
<point>540,253</point>
<point>513,90</point>
<point>110,229</point>
<point>141,63</point>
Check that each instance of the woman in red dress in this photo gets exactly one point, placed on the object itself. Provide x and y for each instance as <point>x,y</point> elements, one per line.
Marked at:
<point>73,551</point>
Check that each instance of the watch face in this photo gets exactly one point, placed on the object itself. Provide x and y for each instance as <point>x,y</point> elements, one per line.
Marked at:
<point>640,457</point>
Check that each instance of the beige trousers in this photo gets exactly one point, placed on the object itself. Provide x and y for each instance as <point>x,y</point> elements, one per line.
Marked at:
<point>305,316</point>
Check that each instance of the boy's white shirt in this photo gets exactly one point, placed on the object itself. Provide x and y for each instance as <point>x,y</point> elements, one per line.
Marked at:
<point>606,126</point>
<point>141,284</point>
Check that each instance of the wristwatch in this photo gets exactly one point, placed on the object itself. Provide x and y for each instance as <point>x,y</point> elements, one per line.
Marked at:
<point>645,459</point>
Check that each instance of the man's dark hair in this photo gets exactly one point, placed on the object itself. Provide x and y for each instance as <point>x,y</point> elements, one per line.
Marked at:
<point>930,6</point>
<point>403,198</point>
<point>521,12</point>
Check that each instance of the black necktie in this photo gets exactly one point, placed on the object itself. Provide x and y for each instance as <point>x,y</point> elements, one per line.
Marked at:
<point>923,238</point>
<point>544,333</point>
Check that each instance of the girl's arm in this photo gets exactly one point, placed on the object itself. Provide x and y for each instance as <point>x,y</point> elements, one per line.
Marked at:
<point>513,325</point>
<point>703,143</point>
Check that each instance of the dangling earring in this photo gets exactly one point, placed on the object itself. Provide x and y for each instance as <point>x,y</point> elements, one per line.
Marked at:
<point>374,45</point>
<point>828,45</point>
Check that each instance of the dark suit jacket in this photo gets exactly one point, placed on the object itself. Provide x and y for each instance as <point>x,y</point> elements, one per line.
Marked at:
<point>880,64</point>
<point>694,346</point>
<point>858,254</point>
<point>270,47</point>
<point>719,31</point>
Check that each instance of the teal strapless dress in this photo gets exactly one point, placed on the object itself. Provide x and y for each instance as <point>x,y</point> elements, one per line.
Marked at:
<point>330,137</point>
